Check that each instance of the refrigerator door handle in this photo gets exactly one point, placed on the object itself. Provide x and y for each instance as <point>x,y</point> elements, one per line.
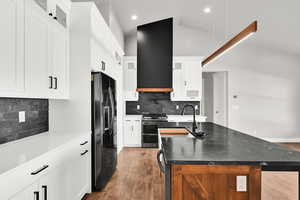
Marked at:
<point>106,118</point>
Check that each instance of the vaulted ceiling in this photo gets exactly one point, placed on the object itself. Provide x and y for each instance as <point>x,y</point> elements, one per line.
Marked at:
<point>279,25</point>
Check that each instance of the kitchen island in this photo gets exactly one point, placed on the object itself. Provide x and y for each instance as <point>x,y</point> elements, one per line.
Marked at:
<point>224,164</point>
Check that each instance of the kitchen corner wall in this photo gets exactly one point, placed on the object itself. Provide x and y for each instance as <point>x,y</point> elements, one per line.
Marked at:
<point>36,115</point>
<point>158,103</point>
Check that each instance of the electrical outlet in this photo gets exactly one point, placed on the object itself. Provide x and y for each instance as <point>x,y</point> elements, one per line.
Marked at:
<point>177,107</point>
<point>138,107</point>
<point>241,183</point>
<point>22,117</point>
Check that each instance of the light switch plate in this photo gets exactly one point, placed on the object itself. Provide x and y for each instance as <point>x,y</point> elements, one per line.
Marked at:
<point>196,107</point>
<point>138,107</point>
<point>22,117</point>
<point>177,107</point>
<point>241,183</point>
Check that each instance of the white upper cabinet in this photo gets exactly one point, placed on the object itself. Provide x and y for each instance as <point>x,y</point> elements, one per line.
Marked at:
<point>179,82</point>
<point>187,79</point>
<point>11,49</point>
<point>34,48</point>
<point>130,79</point>
<point>59,53</point>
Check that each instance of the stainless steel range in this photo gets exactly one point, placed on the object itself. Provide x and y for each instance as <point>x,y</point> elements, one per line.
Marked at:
<point>150,124</point>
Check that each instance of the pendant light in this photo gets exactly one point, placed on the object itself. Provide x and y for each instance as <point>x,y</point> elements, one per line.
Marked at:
<point>244,34</point>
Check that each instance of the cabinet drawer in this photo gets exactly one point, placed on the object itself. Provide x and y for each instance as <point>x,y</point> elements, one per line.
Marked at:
<point>21,177</point>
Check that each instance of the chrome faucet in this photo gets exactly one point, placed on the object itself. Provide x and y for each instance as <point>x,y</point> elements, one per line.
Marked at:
<point>194,115</point>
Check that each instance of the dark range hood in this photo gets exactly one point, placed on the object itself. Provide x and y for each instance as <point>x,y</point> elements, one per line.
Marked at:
<point>155,56</point>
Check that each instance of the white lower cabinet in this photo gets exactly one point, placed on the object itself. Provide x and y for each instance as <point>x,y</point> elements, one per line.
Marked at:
<point>62,175</point>
<point>30,193</point>
<point>132,132</point>
<point>54,185</point>
<point>81,170</point>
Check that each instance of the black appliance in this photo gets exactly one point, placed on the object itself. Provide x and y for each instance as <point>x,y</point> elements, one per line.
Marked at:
<point>155,55</point>
<point>104,132</point>
<point>150,124</point>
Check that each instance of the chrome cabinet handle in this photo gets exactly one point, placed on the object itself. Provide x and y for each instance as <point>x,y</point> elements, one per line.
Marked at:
<point>39,170</point>
<point>85,152</point>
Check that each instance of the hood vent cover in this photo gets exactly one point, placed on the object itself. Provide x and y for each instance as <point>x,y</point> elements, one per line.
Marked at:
<point>155,56</point>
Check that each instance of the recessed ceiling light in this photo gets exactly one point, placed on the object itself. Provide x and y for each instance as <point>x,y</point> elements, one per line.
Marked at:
<point>134,17</point>
<point>207,10</point>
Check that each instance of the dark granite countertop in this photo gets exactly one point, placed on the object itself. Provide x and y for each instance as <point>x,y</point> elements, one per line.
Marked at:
<point>224,146</point>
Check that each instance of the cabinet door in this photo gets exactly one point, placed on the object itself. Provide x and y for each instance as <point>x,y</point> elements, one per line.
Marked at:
<point>12,47</point>
<point>193,78</point>
<point>137,133</point>
<point>128,136</point>
<point>36,49</point>
<point>53,185</point>
<point>29,193</point>
<point>179,83</point>
<point>83,173</point>
<point>58,60</point>
<point>130,80</point>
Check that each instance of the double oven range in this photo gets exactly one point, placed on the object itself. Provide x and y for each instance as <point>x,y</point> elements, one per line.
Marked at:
<point>150,124</point>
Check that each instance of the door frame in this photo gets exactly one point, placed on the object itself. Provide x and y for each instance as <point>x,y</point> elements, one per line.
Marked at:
<point>226,93</point>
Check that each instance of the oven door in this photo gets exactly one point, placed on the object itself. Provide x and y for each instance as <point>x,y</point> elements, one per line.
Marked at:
<point>149,135</point>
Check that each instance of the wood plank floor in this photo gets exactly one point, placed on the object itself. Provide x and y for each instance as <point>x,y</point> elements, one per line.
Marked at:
<point>138,178</point>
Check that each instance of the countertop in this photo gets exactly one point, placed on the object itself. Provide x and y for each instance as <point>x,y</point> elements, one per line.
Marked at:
<point>16,153</point>
<point>224,146</point>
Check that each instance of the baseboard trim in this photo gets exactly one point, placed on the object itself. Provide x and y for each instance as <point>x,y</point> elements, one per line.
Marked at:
<point>282,140</point>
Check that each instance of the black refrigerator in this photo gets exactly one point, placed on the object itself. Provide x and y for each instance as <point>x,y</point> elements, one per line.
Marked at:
<point>104,130</point>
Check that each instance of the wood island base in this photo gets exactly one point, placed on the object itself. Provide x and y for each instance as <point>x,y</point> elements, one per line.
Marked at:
<point>215,182</point>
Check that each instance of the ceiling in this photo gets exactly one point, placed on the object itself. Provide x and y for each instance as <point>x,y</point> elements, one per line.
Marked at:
<point>278,20</point>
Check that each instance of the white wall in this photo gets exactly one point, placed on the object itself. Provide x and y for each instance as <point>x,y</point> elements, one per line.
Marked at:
<point>116,29</point>
<point>267,85</point>
<point>111,19</point>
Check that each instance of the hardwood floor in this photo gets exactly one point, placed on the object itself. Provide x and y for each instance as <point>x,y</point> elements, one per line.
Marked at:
<point>138,178</point>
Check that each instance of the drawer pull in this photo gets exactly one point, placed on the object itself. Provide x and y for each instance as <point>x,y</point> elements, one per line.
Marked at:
<point>39,170</point>
<point>85,152</point>
<point>84,143</point>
